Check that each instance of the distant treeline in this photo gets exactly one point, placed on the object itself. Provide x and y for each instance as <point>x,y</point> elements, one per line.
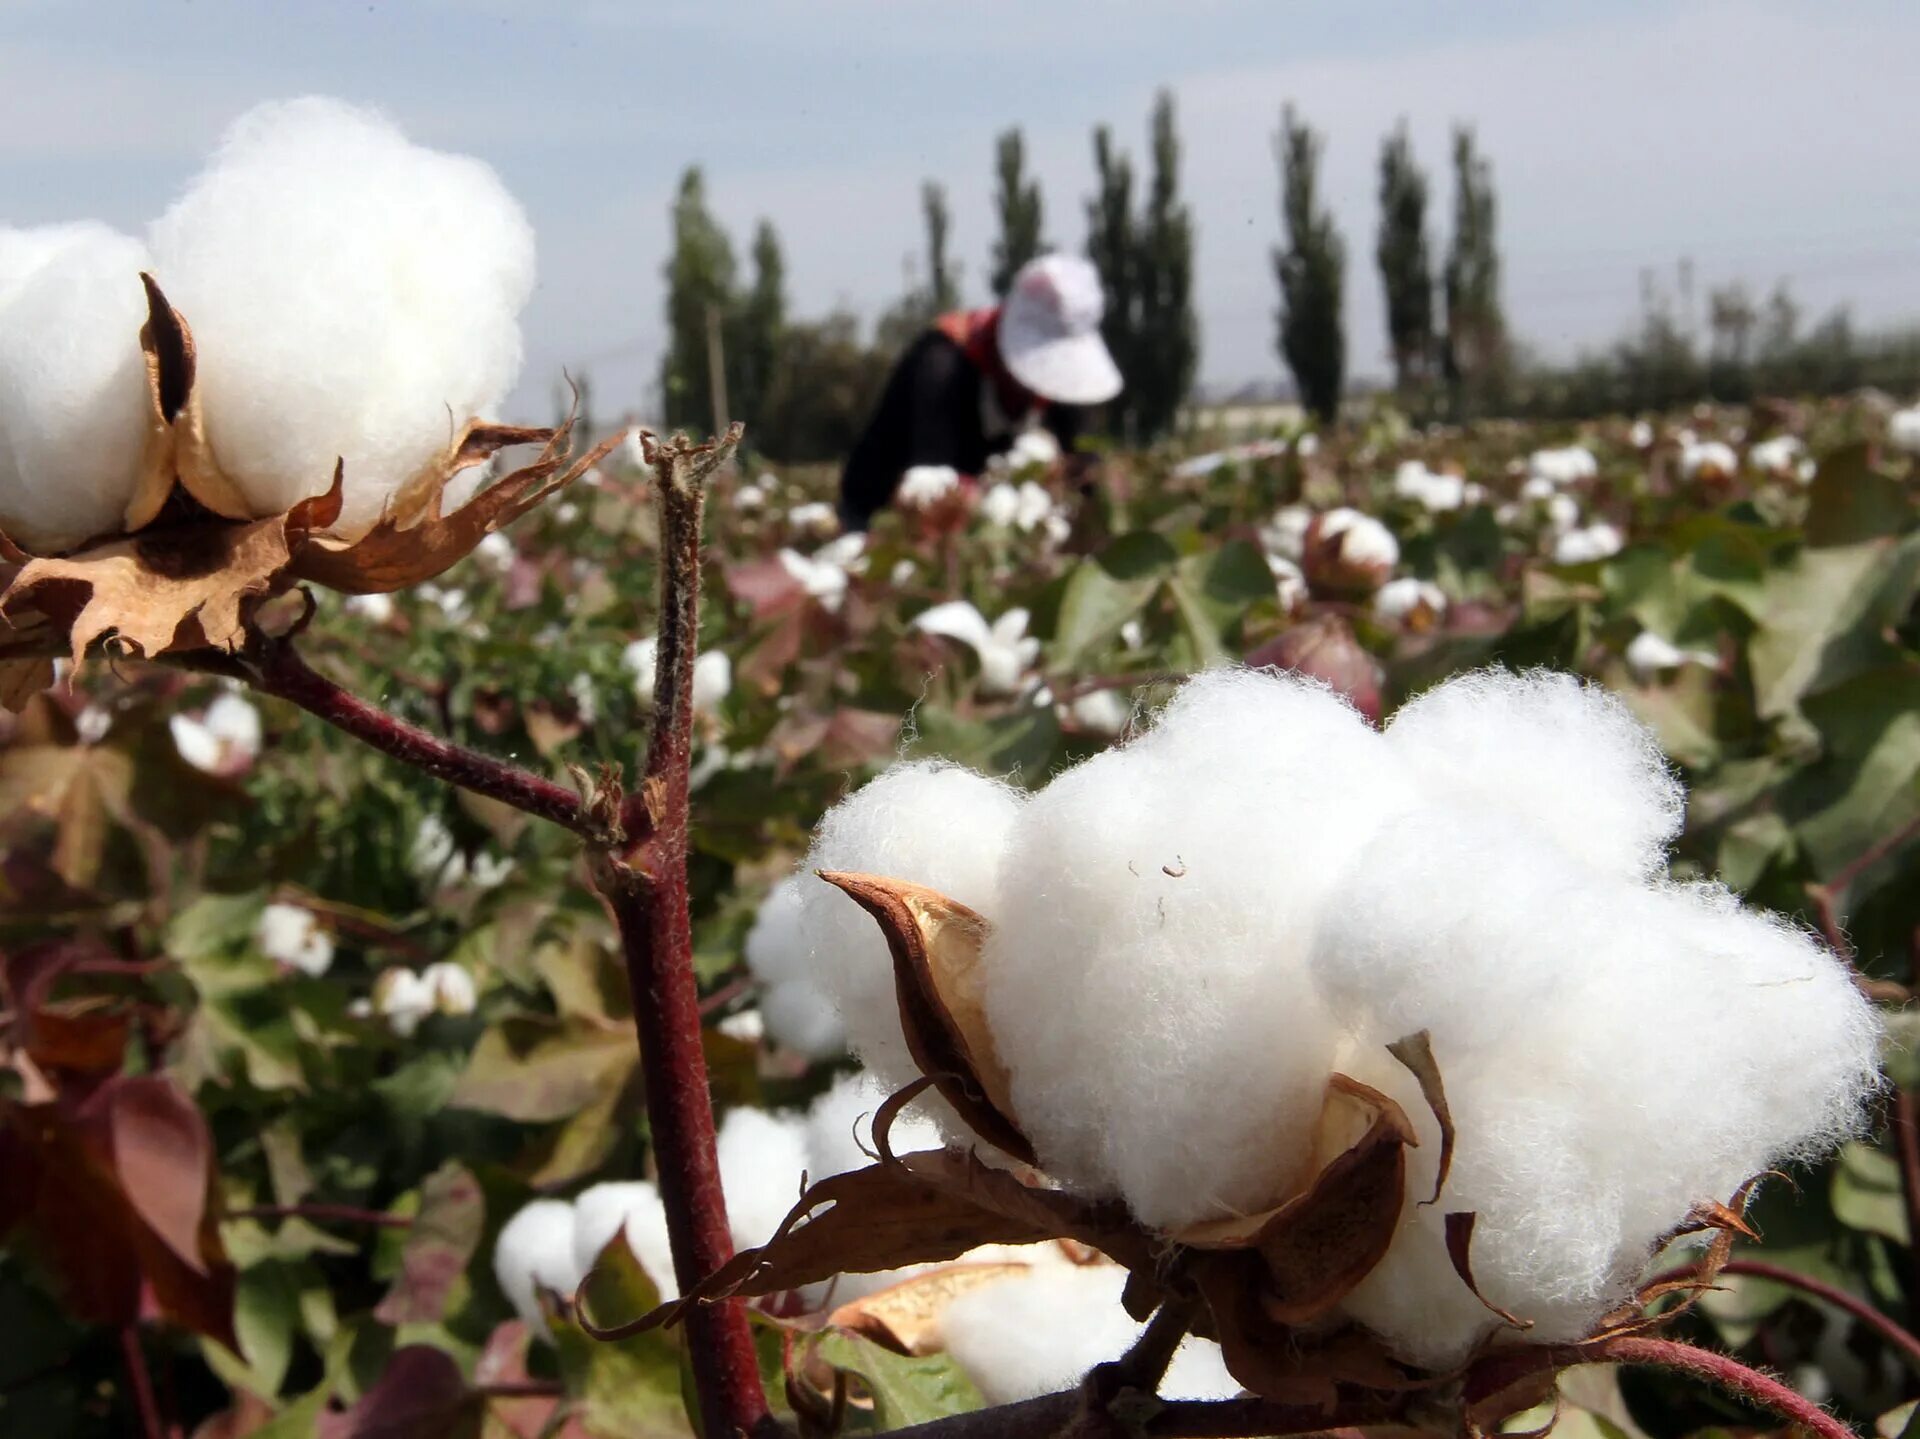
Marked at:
<point>804,387</point>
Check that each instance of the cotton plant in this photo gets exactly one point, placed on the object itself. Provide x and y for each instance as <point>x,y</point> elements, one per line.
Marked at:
<point>223,740</point>
<point>1005,650</point>
<point>1449,987</point>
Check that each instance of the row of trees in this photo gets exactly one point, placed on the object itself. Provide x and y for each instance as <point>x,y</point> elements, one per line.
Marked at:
<point>1447,339</point>
<point>803,387</point>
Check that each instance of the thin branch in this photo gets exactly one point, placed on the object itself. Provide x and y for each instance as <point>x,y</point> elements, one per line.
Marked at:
<point>1723,1373</point>
<point>1851,1304</point>
<point>1144,1365</point>
<point>646,889</point>
<point>140,1382</point>
<point>273,667</point>
<point>1906,1143</point>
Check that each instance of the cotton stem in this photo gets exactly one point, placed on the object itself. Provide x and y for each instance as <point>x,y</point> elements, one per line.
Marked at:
<point>646,889</point>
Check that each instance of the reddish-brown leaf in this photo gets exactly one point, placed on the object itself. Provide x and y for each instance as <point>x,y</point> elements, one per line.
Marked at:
<point>163,1157</point>
<point>440,1245</point>
<point>1459,1251</point>
<point>421,1393</point>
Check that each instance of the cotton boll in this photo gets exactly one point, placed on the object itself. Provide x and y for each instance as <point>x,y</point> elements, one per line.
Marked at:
<point>840,1128</point>
<point>762,1157</point>
<point>1039,1333</point>
<point>73,388</point>
<point>535,1252</point>
<point>352,296</point>
<point>634,1207</point>
<point>934,824</point>
<point>1567,758</point>
<point>1146,978</point>
<point>800,1015</point>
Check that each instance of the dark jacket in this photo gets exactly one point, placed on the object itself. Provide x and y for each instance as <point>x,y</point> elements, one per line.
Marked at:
<point>934,411</point>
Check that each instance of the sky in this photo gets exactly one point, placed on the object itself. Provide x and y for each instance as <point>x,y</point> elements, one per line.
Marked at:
<point>1763,140</point>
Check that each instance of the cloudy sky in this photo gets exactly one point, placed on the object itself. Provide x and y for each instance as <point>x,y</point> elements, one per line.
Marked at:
<point>1763,139</point>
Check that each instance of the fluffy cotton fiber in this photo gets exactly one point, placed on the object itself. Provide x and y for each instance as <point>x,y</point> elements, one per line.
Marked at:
<point>934,824</point>
<point>1040,1333</point>
<point>1146,978</point>
<point>1193,932</point>
<point>352,296</point>
<point>73,395</point>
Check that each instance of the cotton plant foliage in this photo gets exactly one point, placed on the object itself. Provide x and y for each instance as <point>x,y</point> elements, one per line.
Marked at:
<point>1190,937</point>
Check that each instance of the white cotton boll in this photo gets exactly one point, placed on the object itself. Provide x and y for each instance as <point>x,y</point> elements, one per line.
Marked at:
<point>762,1157</point>
<point>1649,656</point>
<point>291,934</point>
<point>403,999</point>
<point>1033,447</point>
<point>800,1015</point>
<point>1000,505</point>
<point>1410,602</point>
<point>452,988</point>
<point>535,1252</point>
<point>930,823</point>
<point>1105,713</point>
<point>839,1134</point>
<point>1146,976</point>
<point>1640,435</point>
<point>1565,757</point>
<point>1553,995</point>
<point>223,740</point>
<point>924,486</point>
<point>1569,465</point>
<point>352,296</point>
<point>374,609</point>
<point>1597,541</point>
<point>1563,512</point>
<point>1779,456</point>
<point>1285,535</point>
<point>1005,650</point>
<point>712,680</point>
<point>1708,460</point>
<point>1903,430</point>
<point>73,386</point>
<point>1289,583</point>
<point>1040,1332</point>
<point>495,554</point>
<point>632,1206</point>
<point>816,518</point>
<point>1363,542</point>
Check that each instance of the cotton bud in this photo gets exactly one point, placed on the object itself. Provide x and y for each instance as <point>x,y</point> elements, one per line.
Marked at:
<point>1324,649</point>
<point>535,1254</point>
<point>223,740</point>
<point>1348,553</point>
<point>1414,605</point>
<point>73,388</point>
<point>291,935</point>
<point>349,291</point>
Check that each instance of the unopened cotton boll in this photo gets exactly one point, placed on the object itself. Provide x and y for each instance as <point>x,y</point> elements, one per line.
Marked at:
<point>1040,1332</point>
<point>533,1253</point>
<point>1567,758</point>
<point>353,296</point>
<point>1146,980</point>
<point>933,824</point>
<point>635,1209</point>
<point>1551,992</point>
<point>762,1159</point>
<point>73,384</point>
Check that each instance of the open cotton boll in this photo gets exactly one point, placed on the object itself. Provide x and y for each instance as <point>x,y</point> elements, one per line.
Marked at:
<point>762,1157</point>
<point>934,824</point>
<point>73,386</point>
<point>1566,757</point>
<point>535,1252</point>
<point>1146,977</point>
<point>352,296</point>
<point>840,1128</point>
<point>1584,1133</point>
<point>1039,1333</point>
<point>799,1014</point>
<point>604,1210</point>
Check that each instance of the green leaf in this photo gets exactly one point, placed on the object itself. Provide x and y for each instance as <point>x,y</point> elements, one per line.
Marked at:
<point>1867,1194</point>
<point>1103,593</point>
<point>439,1245</point>
<point>536,1070</point>
<point>626,1388</point>
<point>905,1391</point>
<point>1211,591</point>
<point>266,1314</point>
<point>1824,616</point>
<point>1850,501</point>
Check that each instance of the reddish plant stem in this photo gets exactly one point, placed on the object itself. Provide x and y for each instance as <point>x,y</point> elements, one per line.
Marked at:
<point>646,888</point>
<point>324,1214</point>
<point>274,667</point>
<point>1723,1373</point>
<point>140,1383</point>
<point>1906,1143</point>
<point>1858,1308</point>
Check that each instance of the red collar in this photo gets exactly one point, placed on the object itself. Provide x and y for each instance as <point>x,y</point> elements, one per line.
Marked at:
<point>977,333</point>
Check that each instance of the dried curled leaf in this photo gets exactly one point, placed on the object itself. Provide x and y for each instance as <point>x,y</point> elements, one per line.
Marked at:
<point>178,455</point>
<point>1459,1252</point>
<point>936,943</point>
<point>170,587</point>
<point>1415,1051</point>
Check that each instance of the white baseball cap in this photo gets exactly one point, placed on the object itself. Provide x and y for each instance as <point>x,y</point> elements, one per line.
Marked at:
<point>1050,332</point>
